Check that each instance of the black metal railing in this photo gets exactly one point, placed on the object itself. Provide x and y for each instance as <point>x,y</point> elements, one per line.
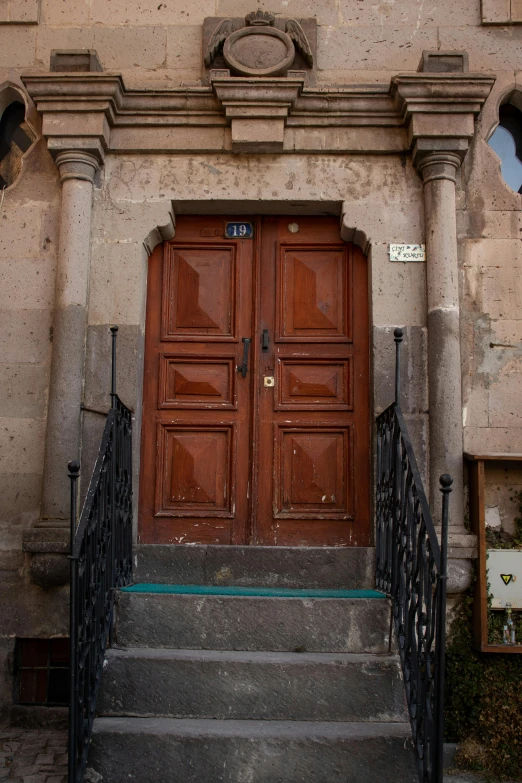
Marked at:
<point>412,570</point>
<point>101,561</point>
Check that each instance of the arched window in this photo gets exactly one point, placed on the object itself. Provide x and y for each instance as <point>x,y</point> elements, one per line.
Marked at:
<point>15,139</point>
<point>506,141</point>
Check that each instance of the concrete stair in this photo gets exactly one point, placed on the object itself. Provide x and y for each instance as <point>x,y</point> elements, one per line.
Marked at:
<point>243,689</point>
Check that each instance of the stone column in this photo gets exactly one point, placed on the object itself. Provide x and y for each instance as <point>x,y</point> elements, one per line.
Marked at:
<point>438,170</point>
<point>77,171</point>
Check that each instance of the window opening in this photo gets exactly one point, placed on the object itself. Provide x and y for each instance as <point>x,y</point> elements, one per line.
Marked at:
<point>15,139</point>
<point>42,672</point>
<point>506,141</point>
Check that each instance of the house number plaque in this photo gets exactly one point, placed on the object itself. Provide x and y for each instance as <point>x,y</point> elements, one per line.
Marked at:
<point>239,230</point>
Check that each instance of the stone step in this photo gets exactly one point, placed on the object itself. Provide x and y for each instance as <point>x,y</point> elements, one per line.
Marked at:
<point>347,568</point>
<point>252,685</point>
<point>252,623</point>
<point>147,750</point>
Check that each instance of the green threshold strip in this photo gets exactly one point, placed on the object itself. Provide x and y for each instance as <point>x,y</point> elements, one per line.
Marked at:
<point>268,592</point>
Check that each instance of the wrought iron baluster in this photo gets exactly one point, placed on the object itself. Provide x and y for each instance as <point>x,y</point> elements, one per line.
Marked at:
<point>101,561</point>
<point>411,568</point>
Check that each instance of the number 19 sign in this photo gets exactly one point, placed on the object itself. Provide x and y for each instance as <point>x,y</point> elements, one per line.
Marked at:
<point>239,230</point>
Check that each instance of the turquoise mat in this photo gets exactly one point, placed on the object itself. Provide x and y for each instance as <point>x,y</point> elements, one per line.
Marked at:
<point>269,592</point>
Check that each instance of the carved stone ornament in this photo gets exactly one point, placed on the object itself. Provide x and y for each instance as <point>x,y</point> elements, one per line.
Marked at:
<point>259,48</point>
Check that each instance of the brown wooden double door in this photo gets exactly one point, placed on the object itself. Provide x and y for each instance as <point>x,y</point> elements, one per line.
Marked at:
<point>280,456</point>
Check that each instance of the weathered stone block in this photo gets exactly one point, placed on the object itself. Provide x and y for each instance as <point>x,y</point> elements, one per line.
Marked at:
<point>493,50</point>
<point>385,223</point>
<point>17,46</point>
<point>397,49</point>
<point>21,11</point>
<point>496,11</point>
<point>98,365</point>
<point>259,135</point>
<point>20,497</point>
<point>25,336</point>
<point>516,10</point>
<point>27,284</point>
<point>504,393</point>
<point>20,231</point>
<point>62,12</point>
<point>150,12</point>
<point>239,623</point>
<point>184,48</point>
<point>50,38</point>
<point>133,749</point>
<point>444,62</point>
<point>502,292</point>
<point>118,283</point>
<point>398,290</point>
<point>408,12</point>
<point>130,47</point>
<point>75,60</point>
<point>484,440</point>
<point>414,389</point>
<point>244,685</point>
<point>23,390</point>
<point>21,445</point>
<point>325,12</point>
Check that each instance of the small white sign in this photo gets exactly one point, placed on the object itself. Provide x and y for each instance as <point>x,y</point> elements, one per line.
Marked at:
<point>406,253</point>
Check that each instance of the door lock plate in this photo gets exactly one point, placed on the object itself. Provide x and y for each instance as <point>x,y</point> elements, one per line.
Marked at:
<point>269,380</point>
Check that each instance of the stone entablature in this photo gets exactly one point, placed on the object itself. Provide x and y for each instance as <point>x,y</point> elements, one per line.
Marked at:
<point>95,112</point>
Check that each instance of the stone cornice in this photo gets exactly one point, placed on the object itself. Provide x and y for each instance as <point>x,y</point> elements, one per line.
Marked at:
<point>439,110</point>
<point>96,113</point>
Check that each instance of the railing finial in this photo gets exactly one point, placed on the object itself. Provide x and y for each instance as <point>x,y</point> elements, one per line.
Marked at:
<point>114,330</point>
<point>397,336</point>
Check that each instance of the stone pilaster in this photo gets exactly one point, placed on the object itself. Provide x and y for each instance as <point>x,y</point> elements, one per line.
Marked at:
<point>48,540</point>
<point>439,111</point>
<point>438,171</point>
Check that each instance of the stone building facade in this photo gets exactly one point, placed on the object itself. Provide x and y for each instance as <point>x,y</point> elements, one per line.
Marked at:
<point>386,127</point>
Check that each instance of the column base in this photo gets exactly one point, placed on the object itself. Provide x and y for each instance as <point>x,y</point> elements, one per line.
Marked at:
<point>49,550</point>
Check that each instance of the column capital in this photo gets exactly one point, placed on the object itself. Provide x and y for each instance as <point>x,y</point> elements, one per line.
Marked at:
<point>439,112</point>
<point>434,164</point>
<point>76,164</point>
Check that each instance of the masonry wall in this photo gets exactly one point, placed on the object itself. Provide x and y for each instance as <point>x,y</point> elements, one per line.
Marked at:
<point>157,43</point>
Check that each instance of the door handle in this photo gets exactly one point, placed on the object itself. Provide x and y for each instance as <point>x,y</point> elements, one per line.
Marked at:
<point>265,340</point>
<point>243,368</point>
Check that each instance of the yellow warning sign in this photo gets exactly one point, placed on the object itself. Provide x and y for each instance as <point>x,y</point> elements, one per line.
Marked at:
<point>506,578</point>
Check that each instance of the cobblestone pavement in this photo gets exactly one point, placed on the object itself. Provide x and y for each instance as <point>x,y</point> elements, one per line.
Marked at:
<point>33,756</point>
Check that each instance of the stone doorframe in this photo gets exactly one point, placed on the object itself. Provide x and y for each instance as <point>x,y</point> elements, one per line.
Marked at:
<point>91,122</point>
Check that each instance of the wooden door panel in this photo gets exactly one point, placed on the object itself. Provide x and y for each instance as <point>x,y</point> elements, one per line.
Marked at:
<point>312,294</point>
<point>313,473</point>
<point>200,293</point>
<point>195,382</point>
<point>195,463</point>
<point>227,459</point>
<point>314,425</point>
<point>197,471</point>
<point>314,384</point>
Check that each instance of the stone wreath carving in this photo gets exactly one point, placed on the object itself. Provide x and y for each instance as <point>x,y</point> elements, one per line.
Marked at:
<point>259,48</point>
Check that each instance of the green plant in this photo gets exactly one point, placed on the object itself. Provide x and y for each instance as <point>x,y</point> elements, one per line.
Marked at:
<point>483,700</point>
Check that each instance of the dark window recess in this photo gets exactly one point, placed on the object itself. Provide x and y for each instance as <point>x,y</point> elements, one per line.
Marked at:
<point>506,141</point>
<point>15,139</point>
<point>42,672</point>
